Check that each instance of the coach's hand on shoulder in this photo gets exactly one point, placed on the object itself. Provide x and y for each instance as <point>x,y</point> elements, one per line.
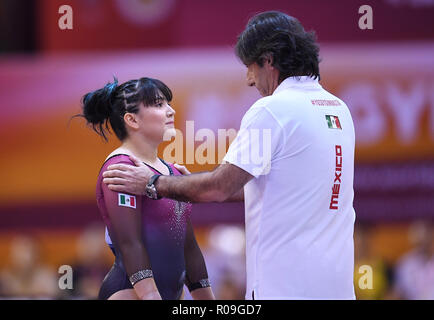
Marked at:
<point>182,169</point>
<point>129,179</point>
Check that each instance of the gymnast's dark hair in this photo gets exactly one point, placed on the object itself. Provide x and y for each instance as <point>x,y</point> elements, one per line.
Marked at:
<point>110,103</point>
<point>294,51</point>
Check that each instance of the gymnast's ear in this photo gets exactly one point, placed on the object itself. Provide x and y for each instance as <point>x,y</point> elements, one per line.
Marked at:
<point>131,120</point>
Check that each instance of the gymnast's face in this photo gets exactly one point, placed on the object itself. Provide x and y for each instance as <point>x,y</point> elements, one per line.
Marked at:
<point>155,122</point>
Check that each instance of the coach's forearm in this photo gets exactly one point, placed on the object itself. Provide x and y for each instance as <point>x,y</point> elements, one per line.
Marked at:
<point>197,187</point>
<point>237,196</point>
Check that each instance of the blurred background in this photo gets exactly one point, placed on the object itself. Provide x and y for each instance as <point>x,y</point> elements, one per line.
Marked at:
<point>49,163</point>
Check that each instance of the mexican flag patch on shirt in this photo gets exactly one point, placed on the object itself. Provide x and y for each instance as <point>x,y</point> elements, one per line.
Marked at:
<point>333,122</point>
<point>125,200</point>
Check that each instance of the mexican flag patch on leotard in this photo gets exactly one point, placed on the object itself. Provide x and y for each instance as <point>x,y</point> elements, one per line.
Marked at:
<point>125,200</point>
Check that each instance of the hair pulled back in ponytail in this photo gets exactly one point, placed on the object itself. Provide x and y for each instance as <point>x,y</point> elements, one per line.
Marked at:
<point>110,103</point>
<point>97,107</point>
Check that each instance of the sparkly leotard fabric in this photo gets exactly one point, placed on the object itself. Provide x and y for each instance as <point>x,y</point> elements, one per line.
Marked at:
<point>164,225</point>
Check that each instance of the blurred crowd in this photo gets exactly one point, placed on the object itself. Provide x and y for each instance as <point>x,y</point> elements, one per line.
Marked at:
<point>411,277</point>
<point>25,275</point>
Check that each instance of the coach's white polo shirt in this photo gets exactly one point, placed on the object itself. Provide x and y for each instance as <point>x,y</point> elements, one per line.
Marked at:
<point>298,144</point>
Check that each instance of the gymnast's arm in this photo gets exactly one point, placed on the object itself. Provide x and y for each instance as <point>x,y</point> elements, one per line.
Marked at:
<point>126,234</point>
<point>196,274</point>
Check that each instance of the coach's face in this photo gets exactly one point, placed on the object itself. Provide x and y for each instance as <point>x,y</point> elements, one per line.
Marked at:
<point>264,78</point>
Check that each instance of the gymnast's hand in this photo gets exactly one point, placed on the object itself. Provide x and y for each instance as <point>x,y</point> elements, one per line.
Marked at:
<point>126,178</point>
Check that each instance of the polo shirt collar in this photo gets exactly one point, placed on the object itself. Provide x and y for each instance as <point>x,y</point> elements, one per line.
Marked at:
<point>300,82</point>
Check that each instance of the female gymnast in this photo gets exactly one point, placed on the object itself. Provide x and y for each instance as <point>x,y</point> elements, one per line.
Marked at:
<point>155,249</point>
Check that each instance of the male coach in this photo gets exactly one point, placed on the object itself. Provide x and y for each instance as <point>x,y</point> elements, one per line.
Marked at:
<point>299,201</point>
